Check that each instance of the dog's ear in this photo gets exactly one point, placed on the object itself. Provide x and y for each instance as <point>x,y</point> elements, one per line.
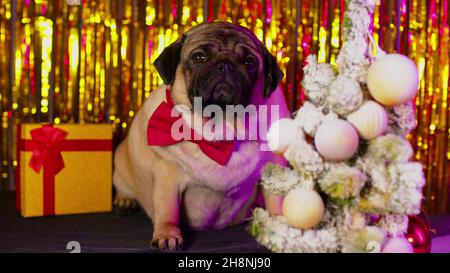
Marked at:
<point>272,73</point>
<point>167,62</point>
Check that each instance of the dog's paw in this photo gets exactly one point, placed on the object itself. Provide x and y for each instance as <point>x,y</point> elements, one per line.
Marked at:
<point>124,206</point>
<point>167,237</point>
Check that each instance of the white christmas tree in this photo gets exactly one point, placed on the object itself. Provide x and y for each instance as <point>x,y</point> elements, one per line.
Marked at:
<point>351,189</point>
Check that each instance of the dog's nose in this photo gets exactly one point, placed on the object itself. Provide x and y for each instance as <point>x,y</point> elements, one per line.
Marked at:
<point>222,95</point>
<point>225,67</point>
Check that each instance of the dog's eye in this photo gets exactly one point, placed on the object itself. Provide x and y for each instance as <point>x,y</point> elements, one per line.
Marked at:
<point>198,58</point>
<point>250,61</point>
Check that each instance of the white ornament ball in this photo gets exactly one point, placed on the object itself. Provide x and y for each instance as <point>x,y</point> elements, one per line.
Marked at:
<point>371,120</point>
<point>336,140</point>
<point>398,245</point>
<point>283,133</point>
<point>303,208</point>
<point>393,79</point>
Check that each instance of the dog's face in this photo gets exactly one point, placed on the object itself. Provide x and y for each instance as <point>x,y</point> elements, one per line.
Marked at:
<point>220,66</point>
<point>221,63</point>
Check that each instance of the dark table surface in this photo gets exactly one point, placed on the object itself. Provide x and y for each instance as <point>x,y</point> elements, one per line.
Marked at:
<point>104,232</point>
<point>110,233</point>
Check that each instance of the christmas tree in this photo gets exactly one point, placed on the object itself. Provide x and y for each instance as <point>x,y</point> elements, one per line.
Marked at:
<point>350,185</point>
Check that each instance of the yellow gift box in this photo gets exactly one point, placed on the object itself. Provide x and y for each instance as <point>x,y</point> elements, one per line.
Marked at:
<point>63,169</point>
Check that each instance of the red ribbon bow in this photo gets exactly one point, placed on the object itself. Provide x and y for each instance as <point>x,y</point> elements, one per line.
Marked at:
<point>159,129</point>
<point>47,149</point>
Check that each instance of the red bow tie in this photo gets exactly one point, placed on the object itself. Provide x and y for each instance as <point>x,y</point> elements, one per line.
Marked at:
<point>159,129</point>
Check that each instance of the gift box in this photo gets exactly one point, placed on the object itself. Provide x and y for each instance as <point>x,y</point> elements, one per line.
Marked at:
<point>63,169</point>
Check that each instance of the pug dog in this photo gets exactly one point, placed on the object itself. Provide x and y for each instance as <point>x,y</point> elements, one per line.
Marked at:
<point>178,185</point>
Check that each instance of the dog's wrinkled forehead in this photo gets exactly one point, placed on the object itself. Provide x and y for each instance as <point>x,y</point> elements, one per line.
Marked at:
<point>223,35</point>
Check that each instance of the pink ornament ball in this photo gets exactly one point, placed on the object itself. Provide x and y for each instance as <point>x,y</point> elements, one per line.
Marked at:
<point>336,140</point>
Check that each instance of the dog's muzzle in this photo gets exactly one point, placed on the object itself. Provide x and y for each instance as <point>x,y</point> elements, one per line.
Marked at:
<point>221,85</point>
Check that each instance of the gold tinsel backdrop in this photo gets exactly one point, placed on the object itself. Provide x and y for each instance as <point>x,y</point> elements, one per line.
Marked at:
<point>90,61</point>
